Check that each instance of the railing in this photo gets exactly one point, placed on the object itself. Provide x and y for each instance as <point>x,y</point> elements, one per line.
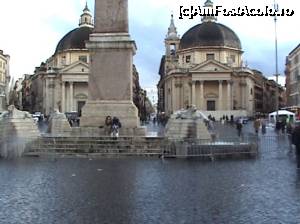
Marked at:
<point>230,147</point>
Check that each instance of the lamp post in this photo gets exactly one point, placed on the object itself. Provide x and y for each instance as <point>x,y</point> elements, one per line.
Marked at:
<point>276,62</point>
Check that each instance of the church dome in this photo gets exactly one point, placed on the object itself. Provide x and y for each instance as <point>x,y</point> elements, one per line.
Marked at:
<point>75,39</point>
<point>210,34</point>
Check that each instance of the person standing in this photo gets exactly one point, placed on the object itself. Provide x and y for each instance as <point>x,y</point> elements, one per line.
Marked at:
<point>256,125</point>
<point>239,127</point>
<point>263,127</point>
<point>296,142</point>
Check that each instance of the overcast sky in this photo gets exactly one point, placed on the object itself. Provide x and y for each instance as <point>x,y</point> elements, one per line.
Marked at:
<point>31,29</point>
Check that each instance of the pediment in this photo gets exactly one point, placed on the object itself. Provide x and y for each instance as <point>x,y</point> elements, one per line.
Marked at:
<point>76,67</point>
<point>81,96</point>
<point>211,66</point>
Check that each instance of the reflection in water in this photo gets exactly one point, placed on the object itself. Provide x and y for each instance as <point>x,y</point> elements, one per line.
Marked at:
<point>148,191</point>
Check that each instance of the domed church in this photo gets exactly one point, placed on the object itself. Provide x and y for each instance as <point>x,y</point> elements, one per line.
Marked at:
<point>62,81</point>
<point>205,68</point>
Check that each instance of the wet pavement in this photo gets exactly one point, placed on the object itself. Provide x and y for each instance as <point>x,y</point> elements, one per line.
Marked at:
<point>149,191</point>
<point>141,190</point>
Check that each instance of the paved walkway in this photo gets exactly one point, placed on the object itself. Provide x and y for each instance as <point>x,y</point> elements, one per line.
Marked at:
<point>154,130</point>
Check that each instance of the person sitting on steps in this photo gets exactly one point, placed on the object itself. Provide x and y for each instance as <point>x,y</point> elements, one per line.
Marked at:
<point>115,125</point>
<point>107,125</point>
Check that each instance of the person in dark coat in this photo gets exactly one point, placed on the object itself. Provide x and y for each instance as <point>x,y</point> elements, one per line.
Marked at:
<point>296,142</point>
<point>115,125</point>
<point>239,127</point>
<point>263,127</point>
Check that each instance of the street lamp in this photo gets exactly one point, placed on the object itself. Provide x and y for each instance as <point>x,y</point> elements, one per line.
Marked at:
<point>276,61</point>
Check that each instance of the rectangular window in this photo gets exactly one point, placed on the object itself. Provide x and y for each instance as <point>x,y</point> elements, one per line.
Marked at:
<point>172,49</point>
<point>296,60</point>
<point>63,60</point>
<point>83,58</point>
<point>232,58</point>
<point>210,57</point>
<point>188,59</point>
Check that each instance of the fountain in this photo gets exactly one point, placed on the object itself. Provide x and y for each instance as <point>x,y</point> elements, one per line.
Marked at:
<point>186,127</point>
<point>17,129</point>
<point>187,124</point>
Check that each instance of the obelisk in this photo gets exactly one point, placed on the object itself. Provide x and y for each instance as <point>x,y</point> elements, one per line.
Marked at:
<point>110,80</point>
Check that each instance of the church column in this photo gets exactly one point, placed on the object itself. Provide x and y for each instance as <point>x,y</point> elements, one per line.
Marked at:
<point>63,97</point>
<point>174,96</point>
<point>201,95</point>
<point>46,104</point>
<point>71,96</point>
<point>220,95</point>
<point>193,93</point>
<point>229,98</point>
<point>243,104</point>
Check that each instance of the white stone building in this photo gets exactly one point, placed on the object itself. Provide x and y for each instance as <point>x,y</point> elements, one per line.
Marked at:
<point>62,82</point>
<point>293,77</point>
<point>205,68</point>
<point>4,80</point>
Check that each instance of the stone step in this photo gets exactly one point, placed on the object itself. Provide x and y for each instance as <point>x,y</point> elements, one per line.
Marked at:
<point>102,151</point>
<point>93,155</point>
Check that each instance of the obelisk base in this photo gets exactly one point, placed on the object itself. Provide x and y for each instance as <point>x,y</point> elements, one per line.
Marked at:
<point>94,114</point>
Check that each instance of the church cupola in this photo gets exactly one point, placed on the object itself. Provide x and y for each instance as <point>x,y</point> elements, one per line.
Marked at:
<point>172,40</point>
<point>209,6</point>
<point>86,18</point>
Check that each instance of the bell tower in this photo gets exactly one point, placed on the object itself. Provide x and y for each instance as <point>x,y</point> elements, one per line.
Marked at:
<point>172,41</point>
<point>208,5</point>
<point>86,18</point>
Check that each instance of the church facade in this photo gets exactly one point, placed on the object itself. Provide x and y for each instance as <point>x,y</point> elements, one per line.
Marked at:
<point>62,81</point>
<point>205,68</point>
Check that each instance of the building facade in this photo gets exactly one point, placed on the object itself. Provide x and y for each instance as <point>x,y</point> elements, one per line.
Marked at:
<point>62,81</point>
<point>292,72</point>
<point>4,80</point>
<point>205,68</point>
<point>265,94</point>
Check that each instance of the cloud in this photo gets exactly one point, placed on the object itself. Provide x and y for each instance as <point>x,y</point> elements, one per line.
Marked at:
<point>33,28</point>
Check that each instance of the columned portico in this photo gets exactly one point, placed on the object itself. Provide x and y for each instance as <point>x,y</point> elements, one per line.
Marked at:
<point>63,92</point>
<point>71,96</point>
<point>220,95</point>
<point>193,92</point>
<point>201,95</point>
<point>229,97</point>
